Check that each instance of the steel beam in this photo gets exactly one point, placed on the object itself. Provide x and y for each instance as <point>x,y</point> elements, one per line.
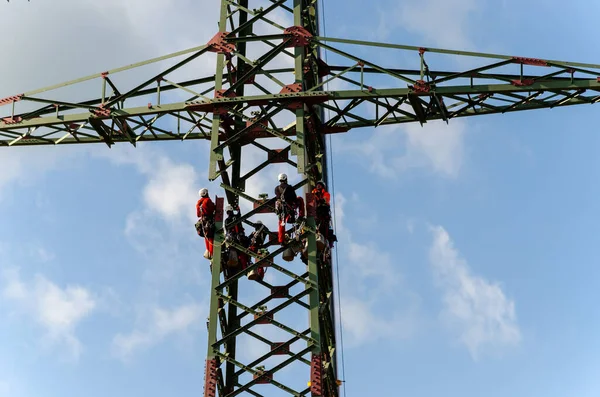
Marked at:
<point>186,121</point>
<point>239,118</point>
<point>266,94</point>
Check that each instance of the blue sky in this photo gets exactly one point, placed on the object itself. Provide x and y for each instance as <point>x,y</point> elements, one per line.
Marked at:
<point>467,252</point>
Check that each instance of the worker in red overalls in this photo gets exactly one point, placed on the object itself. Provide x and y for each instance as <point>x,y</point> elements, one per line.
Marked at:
<point>321,194</point>
<point>323,204</point>
<point>322,201</point>
<point>286,205</point>
<point>205,211</point>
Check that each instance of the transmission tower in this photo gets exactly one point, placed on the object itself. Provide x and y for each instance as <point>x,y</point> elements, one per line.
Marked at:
<point>269,92</point>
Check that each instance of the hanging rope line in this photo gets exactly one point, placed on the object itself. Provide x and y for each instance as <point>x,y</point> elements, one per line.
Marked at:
<point>332,184</point>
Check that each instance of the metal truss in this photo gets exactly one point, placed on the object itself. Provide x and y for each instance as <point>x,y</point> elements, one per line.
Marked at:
<point>304,314</point>
<point>270,93</point>
<point>372,90</point>
<point>309,351</point>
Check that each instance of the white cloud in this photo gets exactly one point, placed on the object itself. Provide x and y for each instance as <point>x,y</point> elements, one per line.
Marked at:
<point>88,22</point>
<point>441,144</point>
<point>361,322</point>
<point>393,150</point>
<point>162,229</point>
<point>170,191</point>
<point>436,146</point>
<point>442,23</point>
<point>28,251</point>
<point>474,307</point>
<point>43,254</point>
<point>167,191</point>
<point>159,324</point>
<point>172,187</point>
<point>133,21</point>
<point>58,310</point>
<point>373,264</point>
<point>368,279</point>
<point>172,252</point>
<point>32,161</point>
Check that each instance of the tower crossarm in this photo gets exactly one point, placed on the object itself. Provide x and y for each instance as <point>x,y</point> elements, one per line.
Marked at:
<point>356,91</point>
<point>268,73</point>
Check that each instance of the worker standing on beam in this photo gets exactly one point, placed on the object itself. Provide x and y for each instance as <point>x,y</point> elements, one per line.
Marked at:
<point>234,233</point>
<point>286,206</point>
<point>256,244</point>
<point>258,236</point>
<point>233,230</point>
<point>323,207</point>
<point>321,194</point>
<point>205,211</point>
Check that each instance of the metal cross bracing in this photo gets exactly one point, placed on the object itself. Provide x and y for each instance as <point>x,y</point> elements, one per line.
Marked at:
<point>270,92</point>
<point>372,92</point>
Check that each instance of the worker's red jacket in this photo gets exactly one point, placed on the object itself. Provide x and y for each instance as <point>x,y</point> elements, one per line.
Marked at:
<point>321,194</point>
<point>205,207</point>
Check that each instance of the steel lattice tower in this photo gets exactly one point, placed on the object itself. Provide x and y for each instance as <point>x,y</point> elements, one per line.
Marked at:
<point>267,93</point>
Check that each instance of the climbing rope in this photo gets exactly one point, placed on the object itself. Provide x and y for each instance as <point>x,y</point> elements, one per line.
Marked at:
<point>332,184</point>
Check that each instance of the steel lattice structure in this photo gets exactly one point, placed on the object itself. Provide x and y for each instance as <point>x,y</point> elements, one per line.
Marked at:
<point>270,91</point>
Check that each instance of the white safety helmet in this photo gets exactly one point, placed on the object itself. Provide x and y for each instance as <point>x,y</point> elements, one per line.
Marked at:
<point>203,192</point>
<point>282,178</point>
<point>322,183</point>
<point>228,208</point>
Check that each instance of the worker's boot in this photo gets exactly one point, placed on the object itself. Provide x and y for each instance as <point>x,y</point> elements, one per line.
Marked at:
<point>253,275</point>
<point>288,254</point>
<point>257,274</point>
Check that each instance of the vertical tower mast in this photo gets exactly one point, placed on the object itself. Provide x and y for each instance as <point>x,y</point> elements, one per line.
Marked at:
<point>237,321</point>
<point>276,336</point>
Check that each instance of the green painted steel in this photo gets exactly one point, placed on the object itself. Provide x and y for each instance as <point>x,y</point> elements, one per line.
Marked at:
<point>191,124</point>
<point>268,84</point>
<point>236,120</point>
<point>215,281</point>
<point>446,51</point>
